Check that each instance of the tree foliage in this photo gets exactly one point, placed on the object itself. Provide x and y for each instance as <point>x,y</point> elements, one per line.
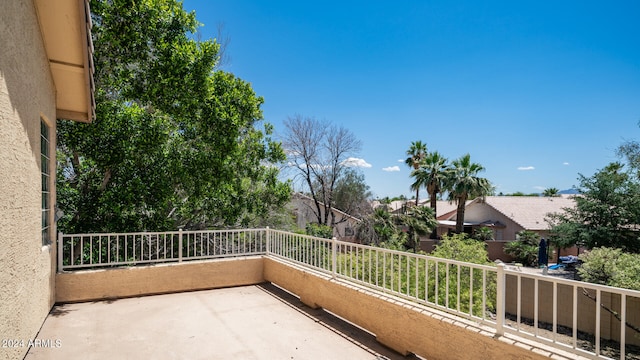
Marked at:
<point>525,248</point>
<point>417,222</point>
<point>613,267</point>
<point>319,230</point>
<point>415,156</point>
<point>551,192</point>
<point>461,247</point>
<point>378,228</point>
<point>175,143</point>
<point>483,233</point>
<point>396,231</point>
<point>606,213</point>
<point>352,194</point>
<point>463,183</point>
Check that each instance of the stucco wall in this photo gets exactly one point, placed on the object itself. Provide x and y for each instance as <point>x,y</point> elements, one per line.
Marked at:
<point>480,212</point>
<point>404,327</point>
<point>165,278</point>
<point>26,94</point>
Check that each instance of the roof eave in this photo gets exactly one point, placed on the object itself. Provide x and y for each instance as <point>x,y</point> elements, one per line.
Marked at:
<point>66,31</point>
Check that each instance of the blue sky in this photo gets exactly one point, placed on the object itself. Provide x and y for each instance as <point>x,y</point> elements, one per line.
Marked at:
<point>535,91</point>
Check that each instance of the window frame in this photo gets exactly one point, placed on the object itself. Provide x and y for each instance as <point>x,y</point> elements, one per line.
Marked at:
<point>45,181</point>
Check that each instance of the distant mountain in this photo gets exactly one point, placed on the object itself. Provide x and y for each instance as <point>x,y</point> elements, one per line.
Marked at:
<point>569,192</point>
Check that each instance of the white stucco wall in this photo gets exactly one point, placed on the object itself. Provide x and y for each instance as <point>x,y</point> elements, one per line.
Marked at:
<point>27,269</point>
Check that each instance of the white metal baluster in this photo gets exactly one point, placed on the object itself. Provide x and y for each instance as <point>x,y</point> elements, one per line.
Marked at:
<point>392,269</point>
<point>446,290</point>
<point>458,291</point>
<point>623,325</point>
<point>426,280</point>
<point>470,291</point>
<point>408,272</point>
<point>500,300</point>
<point>484,294</point>
<point>555,311</point>
<point>519,306</point>
<point>437,280</point>
<point>535,306</point>
<point>417,270</point>
<point>369,253</point>
<point>384,270</point>
<point>598,305</point>
<point>81,250</point>
<point>575,317</point>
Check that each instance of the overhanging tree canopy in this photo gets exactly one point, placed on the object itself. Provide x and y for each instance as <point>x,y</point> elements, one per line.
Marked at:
<point>175,142</point>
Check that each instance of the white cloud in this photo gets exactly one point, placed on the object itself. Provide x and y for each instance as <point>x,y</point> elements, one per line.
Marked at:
<point>391,168</point>
<point>400,160</point>
<point>565,163</point>
<point>356,162</point>
<point>526,168</point>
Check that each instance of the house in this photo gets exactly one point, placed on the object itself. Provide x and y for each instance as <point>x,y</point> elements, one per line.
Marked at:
<point>45,75</point>
<point>508,215</point>
<point>305,211</point>
<point>443,207</point>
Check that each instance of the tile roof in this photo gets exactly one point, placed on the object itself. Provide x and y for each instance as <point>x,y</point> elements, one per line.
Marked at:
<point>529,211</point>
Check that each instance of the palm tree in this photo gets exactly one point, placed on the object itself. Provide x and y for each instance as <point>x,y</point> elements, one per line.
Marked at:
<point>420,220</point>
<point>551,192</point>
<point>432,174</point>
<point>416,153</point>
<point>463,183</point>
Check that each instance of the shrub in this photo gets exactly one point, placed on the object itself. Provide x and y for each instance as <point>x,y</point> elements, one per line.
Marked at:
<point>609,266</point>
<point>462,248</point>
<point>319,230</point>
<point>525,248</point>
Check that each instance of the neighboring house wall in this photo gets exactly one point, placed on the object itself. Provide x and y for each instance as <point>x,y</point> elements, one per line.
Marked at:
<point>480,212</point>
<point>304,211</point>
<point>27,94</point>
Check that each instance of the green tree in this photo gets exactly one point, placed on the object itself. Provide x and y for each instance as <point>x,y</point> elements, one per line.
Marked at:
<point>319,230</point>
<point>483,234</point>
<point>462,248</point>
<point>418,221</point>
<point>630,150</point>
<point>175,143</point>
<point>352,194</point>
<point>613,267</point>
<point>606,213</point>
<point>378,228</point>
<point>462,183</point>
<point>563,233</point>
<point>415,155</point>
<point>525,248</point>
<point>432,174</point>
<point>551,192</point>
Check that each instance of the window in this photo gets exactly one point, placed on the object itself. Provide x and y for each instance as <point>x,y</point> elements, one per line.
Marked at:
<point>348,231</point>
<point>45,173</point>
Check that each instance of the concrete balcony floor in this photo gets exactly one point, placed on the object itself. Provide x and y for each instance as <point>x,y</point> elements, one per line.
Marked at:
<point>252,322</point>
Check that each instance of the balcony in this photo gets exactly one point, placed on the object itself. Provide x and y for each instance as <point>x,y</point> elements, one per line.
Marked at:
<point>414,304</point>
